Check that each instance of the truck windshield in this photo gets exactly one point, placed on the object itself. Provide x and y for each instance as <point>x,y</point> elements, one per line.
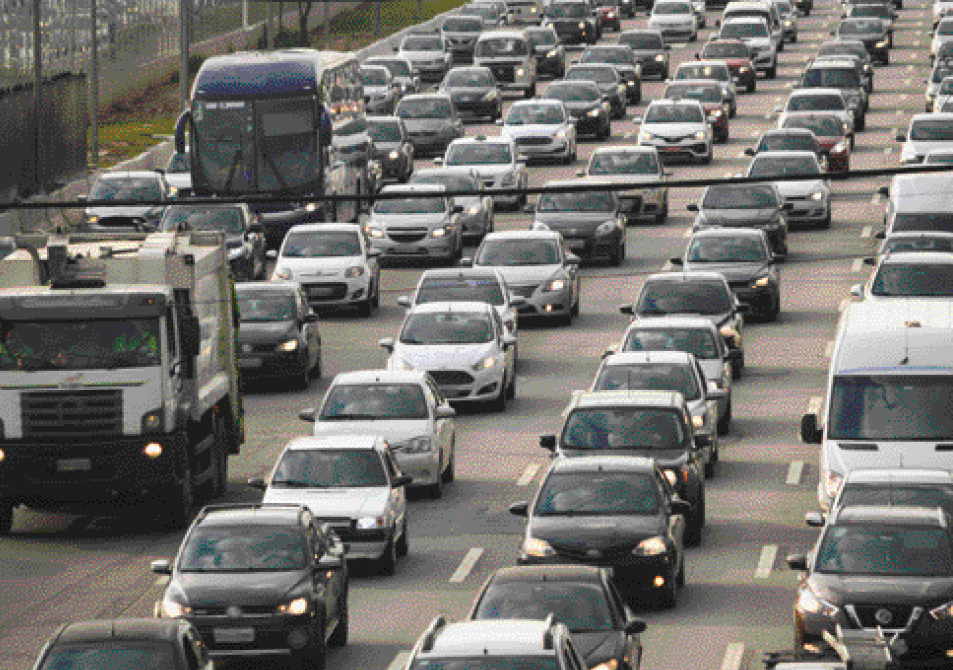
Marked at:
<point>80,345</point>
<point>892,407</point>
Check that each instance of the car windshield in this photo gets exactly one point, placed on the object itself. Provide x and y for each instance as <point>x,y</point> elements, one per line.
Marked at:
<point>642,41</point>
<point>454,182</point>
<point>935,222</point>
<point>702,93</point>
<point>109,655</point>
<point>685,297</point>
<point>178,164</point>
<point>859,27</point>
<point>479,153</point>
<point>370,402</point>
<point>126,188</point>
<point>919,243</point>
<point>612,55</point>
<point>783,166</point>
<point>542,37</point>
<point>623,428</point>
<point>469,79</point>
<point>265,305</point>
<point>520,115</point>
<point>749,196</point>
<point>821,126</point>
<point>483,11</point>
<point>600,75</point>
<point>809,103</point>
<point>648,377</point>
<point>384,132</point>
<point>699,343</point>
<point>437,108</point>
<point>321,244</point>
<point>374,76</point>
<point>879,11</point>
<point>598,494</point>
<point>725,50</point>
<point>329,468</point>
<point>572,93</point>
<point>744,29</point>
<point>517,252</point>
<point>422,43</point>
<point>623,162</point>
<point>447,328</point>
<point>931,130</point>
<point>567,10</point>
<point>460,289</point>
<point>727,250</point>
<point>413,205</point>
<point>693,71</point>
<point>901,494</point>
<point>71,345</point>
<point>460,24</point>
<point>660,112</point>
<point>581,607</point>
<point>502,46</point>
<point>398,68</point>
<point>667,8</point>
<point>907,407</point>
<point>823,77</point>
<point>885,550</point>
<point>788,142</point>
<point>487,662</point>
<point>591,201</point>
<point>243,548</point>
<point>203,217</point>
<point>918,279</point>
<point>939,157</point>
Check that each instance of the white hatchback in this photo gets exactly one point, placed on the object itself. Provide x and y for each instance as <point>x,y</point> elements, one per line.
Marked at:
<point>541,129</point>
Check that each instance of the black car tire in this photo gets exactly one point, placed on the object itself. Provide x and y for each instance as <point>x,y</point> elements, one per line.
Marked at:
<point>826,223</point>
<point>302,377</point>
<point>498,404</point>
<point>218,479</point>
<point>736,371</point>
<point>574,309</point>
<point>339,636</point>
<point>668,596</point>
<point>6,517</point>
<point>618,254</point>
<point>376,295</point>
<point>696,522</point>
<point>511,388</point>
<point>709,157</point>
<point>710,465</point>
<point>403,544</point>
<point>861,122</point>
<point>680,580</point>
<point>434,490</point>
<point>318,368</point>
<point>530,92</point>
<point>752,85</point>
<point>450,472</point>
<point>387,563</point>
<point>774,313</point>
<point>724,421</point>
<point>315,655</point>
<point>365,308</point>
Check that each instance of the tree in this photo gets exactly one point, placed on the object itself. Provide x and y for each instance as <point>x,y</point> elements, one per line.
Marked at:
<point>304,11</point>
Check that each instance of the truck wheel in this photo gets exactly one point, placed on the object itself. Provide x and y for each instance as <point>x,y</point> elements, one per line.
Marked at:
<point>180,505</point>
<point>6,517</point>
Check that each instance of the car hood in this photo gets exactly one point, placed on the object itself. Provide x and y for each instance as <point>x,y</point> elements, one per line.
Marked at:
<point>796,189</point>
<point>333,503</point>
<point>573,222</point>
<point>308,268</point>
<point>923,147</point>
<point>578,107</point>
<point>263,332</point>
<point>892,590</point>
<point>242,589</point>
<point>584,533</point>
<point>141,211</point>
<point>376,90</point>
<point>416,125</point>
<point>844,455</point>
<point>673,20</point>
<point>394,430</point>
<point>407,220</point>
<point>597,647</point>
<point>443,356</point>
<point>738,217</point>
<point>529,274</point>
<point>384,147</point>
<point>733,272</point>
<point>531,130</point>
<point>666,458</point>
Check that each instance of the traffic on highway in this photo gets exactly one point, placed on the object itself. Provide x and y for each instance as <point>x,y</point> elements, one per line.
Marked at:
<point>648,426</point>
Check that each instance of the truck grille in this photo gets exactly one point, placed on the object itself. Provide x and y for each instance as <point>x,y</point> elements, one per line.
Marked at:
<point>898,615</point>
<point>451,377</point>
<point>65,413</point>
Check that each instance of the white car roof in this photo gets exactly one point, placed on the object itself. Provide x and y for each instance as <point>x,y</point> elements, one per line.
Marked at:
<point>628,358</point>
<point>325,228</point>
<point>454,307</point>
<point>350,442</point>
<point>918,258</point>
<point>523,235</point>
<point>491,638</point>
<point>380,376</point>
<point>899,476</point>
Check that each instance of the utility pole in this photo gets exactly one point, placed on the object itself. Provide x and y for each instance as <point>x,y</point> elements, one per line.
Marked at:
<point>185,14</point>
<point>94,79</point>
<point>420,11</point>
<point>377,20</point>
<point>245,15</point>
<point>37,96</point>
<point>326,27</point>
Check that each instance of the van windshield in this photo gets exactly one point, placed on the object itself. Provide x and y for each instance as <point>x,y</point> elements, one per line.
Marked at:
<point>891,407</point>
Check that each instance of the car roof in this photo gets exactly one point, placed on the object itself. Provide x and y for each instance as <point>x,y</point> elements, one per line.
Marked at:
<point>380,377</point>
<point>368,442</point>
<point>536,102</point>
<point>918,258</point>
<point>718,231</point>
<point>807,92</point>
<point>710,83</point>
<point>707,62</point>
<point>482,69</point>
<point>932,116</point>
<point>432,95</point>
<point>672,321</point>
<point>834,61</point>
<point>462,273</point>
<point>631,358</point>
<point>484,139</point>
<point>640,398</point>
<point>689,276</point>
<point>511,33</point>
<point>549,573</point>
<point>603,464</point>
<point>462,307</point>
<point>625,148</point>
<point>593,181</point>
<point>414,188</point>
<point>492,637</point>
<point>523,235</point>
<point>278,286</point>
<point>325,228</point>
<point>164,630</point>
<point>785,155</point>
<point>130,174</point>
<point>683,101</point>
<point>788,131</point>
<point>250,514</point>
<point>898,514</point>
<point>467,170</point>
<point>899,476</point>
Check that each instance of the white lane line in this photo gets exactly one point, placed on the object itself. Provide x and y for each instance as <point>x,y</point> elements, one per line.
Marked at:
<point>844,304</point>
<point>529,474</point>
<point>163,580</point>
<point>875,199</point>
<point>888,151</point>
<point>899,112</point>
<point>794,473</point>
<point>769,553</point>
<point>687,233</point>
<point>734,652</point>
<point>829,349</point>
<point>629,134</point>
<point>814,404</point>
<point>857,265</point>
<point>400,660</point>
<point>466,565</point>
<point>867,231</point>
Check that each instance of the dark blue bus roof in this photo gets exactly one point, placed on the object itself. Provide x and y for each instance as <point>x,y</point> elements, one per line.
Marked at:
<point>258,73</point>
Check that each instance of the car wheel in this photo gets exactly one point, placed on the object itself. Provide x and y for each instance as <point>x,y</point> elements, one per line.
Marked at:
<point>376,296</point>
<point>450,472</point>
<point>365,307</point>
<point>511,388</point>
<point>862,123</point>
<point>618,254</point>
<point>772,72</point>
<point>732,113</point>
<point>403,544</point>
<point>530,92</point>
<point>736,370</point>
<point>709,157</point>
<point>775,312</point>
<point>498,404</point>
<point>794,39</point>
<point>752,85</point>
<point>696,521</point>
<point>339,636</point>
<point>681,574</point>
<point>574,310</point>
<point>6,517</point>
<point>387,563</point>
<point>710,465</point>
<point>668,597</point>
<point>315,655</point>
<point>826,223</point>
<point>302,377</point>
<point>724,421</point>
<point>435,490</point>
<point>318,368</point>
<point>663,214</point>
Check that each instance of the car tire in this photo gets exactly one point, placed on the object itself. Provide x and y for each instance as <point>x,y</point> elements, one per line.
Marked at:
<point>315,655</point>
<point>218,479</point>
<point>794,39</point>
<point>376,296</point>
<point>435,490</point>
<point>710,466</point>
<point>574,310</point>
<point>772,72</point>
<point>861,123</point>
<point>511,388</point>
<point>668,597</point>
<point>530,92</point>
<point>618,255</point>
<point>450,472</point>
<point>387,563</point>
<point>6,517</point>
<point>339,636</point>
<point>736,370</point>
<point>724,421</point>
<point>696,522</point>
<point>680,581</point>
<point>403,544</point>
<point>709,157</point>
<point>752,85</point>
<point>302,378</point>
<point>775,312</point>
<point>663,214</point>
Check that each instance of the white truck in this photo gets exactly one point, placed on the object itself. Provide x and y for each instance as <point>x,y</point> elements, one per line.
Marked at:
<point>118,380</point>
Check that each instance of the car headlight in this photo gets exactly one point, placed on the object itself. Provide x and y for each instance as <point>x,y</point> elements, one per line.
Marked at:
<point>443,231</point>
<point>660,58</point>
<point>817,195</point>
<point>417,445</point>
<point>533,546</point>
<point>490,95</point>
<point>520,72</point>
<point>170,609</point>
<point>701,135</point>
<point>761,282</point>
<point>582,26</point>
<point>290,345</point>
<point>944,611</point>
<point>311,207</point>
<point>282,273</point>
<point>698,421</point>
<point>672,477</point>
<point>839,148</point>
<point>553,53</point>
<point>607,228</point>
<point>354,271</point>
<point>371,522</point>
<point>744,68</point>
<point>653,546</point>
<point>646,135</point>
<point>235,253</point>
<point>474,210</point>
<point>92,219</point>
<point>807,601</point>
<point>610,15</point>
<point>595,112</point>
<point>376,233</point>
<point>715,114</point>
<point>788,23</point>
<point>881,43</point>
<point>832,483</point>
<point>487,363</point>
<point>730,333</point>
<point>562,133</point>
<point>393,155</point>
<point>296,607</point>
<point>554,285</point>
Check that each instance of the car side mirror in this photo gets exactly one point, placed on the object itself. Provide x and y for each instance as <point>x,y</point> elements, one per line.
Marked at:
<point>257,483</point>
<point>387,344</point>
<point>749,151</point>
<point>520,508</point>
<point>693,208</point>
<point>797,562</point>
<point>884,190</point>
<point>635,626</point>
<point>444,412</point>
<point>330,562</point>
<point>395,49</point>
<point>404,301</point>
<point>681,507</point>
<point>572,259</point>
<point>402,480</point>
<point>609,351</point>
<point>810,429</point>
<point>374,253</point>
<point>676,261</point>
<point>271,255</point>
<point>465,262</point>
<point>518,301</point>
<point>161,567</point>
<point>580,173</point>
<point>548,442</point>
<point>814,519</point>
<point>310,415</point>
<point>310,317</point>
<point>901,137</point>
<point>880,235</point>
<point>628,310</point>
<point>787,206</point>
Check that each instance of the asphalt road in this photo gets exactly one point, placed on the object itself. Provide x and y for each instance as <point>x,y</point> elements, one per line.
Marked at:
<point>739,594</point>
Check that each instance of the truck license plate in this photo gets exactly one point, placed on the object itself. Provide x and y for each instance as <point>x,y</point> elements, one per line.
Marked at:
<point>234,635</point>
<point>74,464</point>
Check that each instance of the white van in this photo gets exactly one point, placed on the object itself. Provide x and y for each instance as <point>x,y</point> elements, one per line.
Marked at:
<point>768,11</point>
<point>510,56</point>
<point>919,203</point>
<point>889,397</point>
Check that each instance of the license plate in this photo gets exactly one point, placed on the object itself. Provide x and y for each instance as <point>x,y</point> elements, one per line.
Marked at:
<point>233,635</point>
<point>320,292</point>
<point>249,362</point>
<point>74,464</point>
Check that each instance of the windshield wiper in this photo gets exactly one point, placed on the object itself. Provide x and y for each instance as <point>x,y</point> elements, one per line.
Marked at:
<point>296,483</point>
<point>349,417</point>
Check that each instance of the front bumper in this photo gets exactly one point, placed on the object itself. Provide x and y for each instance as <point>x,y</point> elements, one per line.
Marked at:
<point>469,386</point>
<point>336,291</point>
<point>543,147</point>
<point>807,210</point>
<point>431,73</point>
<point>630,573</point>
<point>589,125</point>
<point>694,149</point>
<point>430,143</point>
<point>543,303</point>
<point>392,168</point>
<point>574,35</point>
<point>263,360</point>
<point>414,246</point>
<point>255,634</point>
<point>550,65</point>
<point>676,33</point>
<point>592,247</point>
<point>477,107</point>
<point>743,78</point>
<point>763,60</point>
<point>653,67</point>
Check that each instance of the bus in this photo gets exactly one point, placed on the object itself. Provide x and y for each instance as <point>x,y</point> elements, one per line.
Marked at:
<point>286,123</point>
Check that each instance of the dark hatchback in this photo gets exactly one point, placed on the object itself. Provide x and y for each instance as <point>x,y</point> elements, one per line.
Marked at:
<point>745,206</point>
<point>650,51</point>
<point>872,32</point>
<point>587,107</point>
<point>613,512</point>
<point>592,223</point>
<point>474,91</point>
<point>886,568</point>
<point>574,21</point>
<point>391,147</point>
<point>584,598</point>
<point>278,335</point>
<point>119,644</point>
<point>625,62</point>
<point>260,580</point>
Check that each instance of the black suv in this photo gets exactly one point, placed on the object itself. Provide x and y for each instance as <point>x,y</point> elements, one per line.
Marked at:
<point>887,568</point>
<point>260,580</point>
<point>139,643</point>
<point>610,511</point>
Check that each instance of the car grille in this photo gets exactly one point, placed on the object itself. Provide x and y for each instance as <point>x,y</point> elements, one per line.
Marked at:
<point>257,348</point>
<point>63,413</point>
<point>236,611</point>
<point>584,555</point>
<point>533,140</point>
<point>899,615</point>
<point>523,291</point>
<point>504,73</point>
<point>675,140</point>
<point>407,236</point>
<point>460,41</point>
<point>451,377</point>
<point>325,291</point>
